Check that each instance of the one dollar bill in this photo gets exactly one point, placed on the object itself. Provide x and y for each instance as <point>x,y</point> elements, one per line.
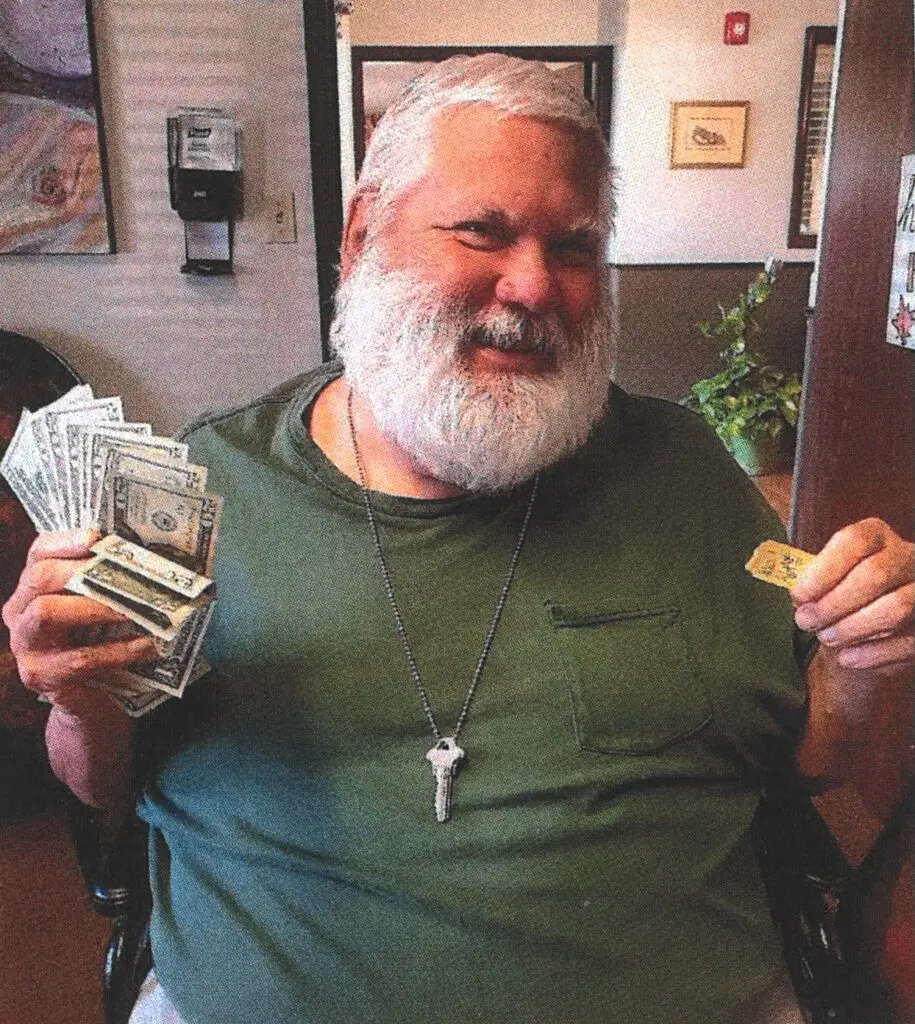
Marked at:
<point>150,605</point>
<point>176,524</point>
<point>64,463</point>
<point>151,566</point>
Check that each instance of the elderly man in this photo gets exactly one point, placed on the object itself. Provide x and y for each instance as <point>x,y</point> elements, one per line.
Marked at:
<point>493,697</point>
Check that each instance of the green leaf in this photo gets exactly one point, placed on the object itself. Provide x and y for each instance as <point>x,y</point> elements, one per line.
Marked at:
<point>746,397</point>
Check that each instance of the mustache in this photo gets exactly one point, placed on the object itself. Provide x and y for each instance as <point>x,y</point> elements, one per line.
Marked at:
<point>521,333</point>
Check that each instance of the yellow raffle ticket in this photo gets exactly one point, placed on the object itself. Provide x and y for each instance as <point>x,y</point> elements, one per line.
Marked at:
<point>777,563</point>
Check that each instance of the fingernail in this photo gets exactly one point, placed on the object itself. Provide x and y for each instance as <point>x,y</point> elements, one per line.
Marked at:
<point>805,617</point>
<point>828,636</point>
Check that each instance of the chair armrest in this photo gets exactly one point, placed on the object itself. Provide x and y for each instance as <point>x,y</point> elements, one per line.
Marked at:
<point>805,875</point>
<point>112,857</point>
<point>808,879</point>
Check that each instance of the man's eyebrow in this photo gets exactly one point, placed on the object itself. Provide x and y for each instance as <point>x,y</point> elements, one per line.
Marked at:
<point>586,227</point>
<point>490,214</point>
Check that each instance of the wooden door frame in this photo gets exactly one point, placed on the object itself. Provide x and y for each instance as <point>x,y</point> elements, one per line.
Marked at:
<point>855,446</point>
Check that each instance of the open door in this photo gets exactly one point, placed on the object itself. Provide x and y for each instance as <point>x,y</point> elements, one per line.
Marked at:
<point>856,456</point>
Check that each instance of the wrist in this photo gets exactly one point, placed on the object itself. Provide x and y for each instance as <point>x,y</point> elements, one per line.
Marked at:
<point>90,749</point>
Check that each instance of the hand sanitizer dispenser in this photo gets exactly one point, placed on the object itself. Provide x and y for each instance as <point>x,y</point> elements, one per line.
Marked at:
<point>204,170</point>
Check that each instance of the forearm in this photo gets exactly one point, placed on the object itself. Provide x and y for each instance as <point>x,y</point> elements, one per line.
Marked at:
<point>92,753</point>
<point>90,740</point>
<point>858,596</point>
<point>858,729</point>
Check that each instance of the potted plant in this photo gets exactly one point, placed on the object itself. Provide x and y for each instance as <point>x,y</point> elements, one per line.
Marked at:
<point>752,406</point>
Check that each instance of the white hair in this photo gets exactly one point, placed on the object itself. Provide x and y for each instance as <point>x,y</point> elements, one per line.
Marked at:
<point>402,344</point>
<point>399,149</point>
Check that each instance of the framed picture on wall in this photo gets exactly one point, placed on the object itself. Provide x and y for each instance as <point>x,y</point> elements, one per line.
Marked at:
<point>812,127</point>
<point>379,73</point>
<point>53,192</point>
<point>708,133</point>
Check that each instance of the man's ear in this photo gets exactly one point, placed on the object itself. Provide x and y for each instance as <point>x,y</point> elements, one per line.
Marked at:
<point>355,231</point>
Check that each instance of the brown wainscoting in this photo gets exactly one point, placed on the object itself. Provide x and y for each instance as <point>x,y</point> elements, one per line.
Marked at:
<point>660,350</point>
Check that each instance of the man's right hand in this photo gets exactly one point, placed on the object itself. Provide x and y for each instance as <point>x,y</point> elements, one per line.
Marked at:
<point>52,631</point>
<point>52,634</point>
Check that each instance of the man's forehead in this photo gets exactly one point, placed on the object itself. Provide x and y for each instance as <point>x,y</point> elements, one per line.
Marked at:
<point>482,156</point>
<point>471,128</point>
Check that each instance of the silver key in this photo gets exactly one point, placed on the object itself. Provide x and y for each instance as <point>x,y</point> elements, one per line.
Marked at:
<point>445,757</point>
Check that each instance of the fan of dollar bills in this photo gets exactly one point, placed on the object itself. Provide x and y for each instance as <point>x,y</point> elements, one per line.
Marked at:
<point>74,465</point>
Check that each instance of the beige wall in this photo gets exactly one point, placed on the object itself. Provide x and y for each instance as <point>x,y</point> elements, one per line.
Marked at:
<point>478,23</point>
<point>674,51</point>
<point>172,345</point>
<point>131,323</point>
<point>666,50</point>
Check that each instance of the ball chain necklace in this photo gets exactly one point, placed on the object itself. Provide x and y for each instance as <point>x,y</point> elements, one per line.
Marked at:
<point>445,756</point>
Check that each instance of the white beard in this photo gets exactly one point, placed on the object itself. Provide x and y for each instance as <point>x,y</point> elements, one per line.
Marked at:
<point>402,345</point>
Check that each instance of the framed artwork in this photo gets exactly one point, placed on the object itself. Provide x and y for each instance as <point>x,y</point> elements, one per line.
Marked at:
<point>379,73</point>
<point>53,190</point>
<point>708,133</point>
<point>812,126</point>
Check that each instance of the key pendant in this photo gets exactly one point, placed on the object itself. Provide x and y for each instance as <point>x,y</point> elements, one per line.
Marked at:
<point>445,757</point>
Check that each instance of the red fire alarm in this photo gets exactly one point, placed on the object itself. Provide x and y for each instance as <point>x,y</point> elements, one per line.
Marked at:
<point>736,28</point>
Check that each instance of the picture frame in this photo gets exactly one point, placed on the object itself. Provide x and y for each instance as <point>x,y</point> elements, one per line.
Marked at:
<point>56,199</point>
<point>378,73</point>
<point>708,134</point>
<point>812,127</point>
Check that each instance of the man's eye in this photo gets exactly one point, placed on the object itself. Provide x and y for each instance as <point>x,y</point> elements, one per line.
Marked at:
<point>575,250</point>
<point>477,234</point>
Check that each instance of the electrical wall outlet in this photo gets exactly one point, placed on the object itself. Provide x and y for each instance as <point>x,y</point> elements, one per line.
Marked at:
<point>281,213</point>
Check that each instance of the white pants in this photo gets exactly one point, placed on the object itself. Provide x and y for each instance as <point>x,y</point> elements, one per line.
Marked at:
<point>154,1006</point>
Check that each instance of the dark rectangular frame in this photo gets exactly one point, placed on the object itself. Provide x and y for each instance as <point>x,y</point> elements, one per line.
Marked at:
<point>100,121</point>
<point>103,154</point>
<point>816,35</point>
<point>597,61</point>
<point>320,33</point>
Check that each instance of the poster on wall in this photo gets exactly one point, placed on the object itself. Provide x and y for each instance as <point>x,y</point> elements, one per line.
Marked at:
<point>901,326</point>
<point>53,190</point>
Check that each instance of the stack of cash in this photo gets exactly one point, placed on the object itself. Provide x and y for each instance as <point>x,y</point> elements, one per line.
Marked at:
<point>75,464</point>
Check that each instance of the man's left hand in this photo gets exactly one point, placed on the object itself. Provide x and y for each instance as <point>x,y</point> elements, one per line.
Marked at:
<point>858,596</point>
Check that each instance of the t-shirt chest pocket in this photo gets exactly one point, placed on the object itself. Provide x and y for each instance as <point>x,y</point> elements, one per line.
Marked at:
<point>632,679</point>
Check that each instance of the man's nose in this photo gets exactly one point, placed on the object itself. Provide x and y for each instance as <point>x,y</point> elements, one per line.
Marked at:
<point>526,279</point>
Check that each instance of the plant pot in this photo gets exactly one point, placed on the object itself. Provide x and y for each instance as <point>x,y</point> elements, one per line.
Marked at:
<point>758,456</point>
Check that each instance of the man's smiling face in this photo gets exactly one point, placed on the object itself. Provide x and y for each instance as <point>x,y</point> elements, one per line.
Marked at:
<point>469,316</point>
<point>506,220</point>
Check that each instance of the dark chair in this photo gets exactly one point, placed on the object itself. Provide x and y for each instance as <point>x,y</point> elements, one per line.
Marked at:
<point>31,375</point>
<point>832,917</point>
<point>113,860</point>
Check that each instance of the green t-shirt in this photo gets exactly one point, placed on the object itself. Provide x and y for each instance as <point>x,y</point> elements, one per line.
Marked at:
<point>597,867</point>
